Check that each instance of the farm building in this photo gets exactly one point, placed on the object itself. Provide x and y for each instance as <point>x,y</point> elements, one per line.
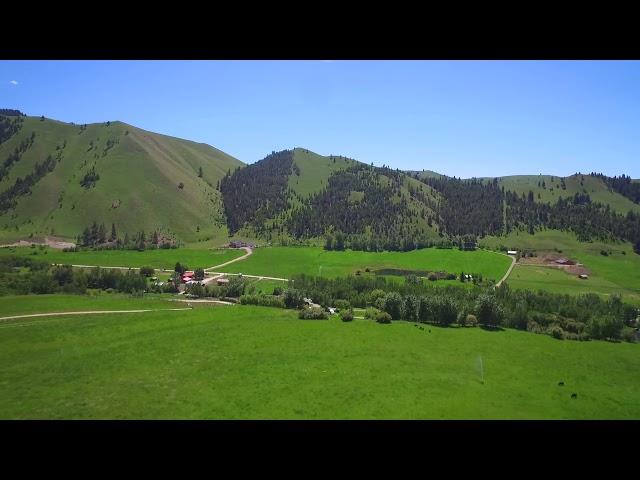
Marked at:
<point>583,276</point>
<point>222,281</point>
<point>512,252</point>
<point>564,261</point>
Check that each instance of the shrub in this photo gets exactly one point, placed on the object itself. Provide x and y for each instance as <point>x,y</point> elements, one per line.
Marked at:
<point>342,305</point>
<point>383,317</point>
<point>147,271</point>
<point>198,274</point>
<point>556,332</point>
<point>393,305</point>
<point>446,311</point>
<point>312,313</point>
<point>277,291</point>
<point>346,316</point>
<point>371,313</point>
<point>410,307</point>
<point>426,312</point>
<point>488,311</point>
<point>375,295</point>
<point>471,321</point>
<point>293,298</point>
<point>264,300</point>
<point>628,335</point>
<point>605,327</point>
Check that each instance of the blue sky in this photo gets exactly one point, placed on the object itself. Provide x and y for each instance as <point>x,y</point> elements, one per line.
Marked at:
<point>467,118</point>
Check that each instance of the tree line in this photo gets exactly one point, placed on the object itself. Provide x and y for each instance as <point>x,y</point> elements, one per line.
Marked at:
<point>622,184</point>
<point>563,316</point>
<point>9,126</point>
<point>96,236</point>
<point>16,155</point>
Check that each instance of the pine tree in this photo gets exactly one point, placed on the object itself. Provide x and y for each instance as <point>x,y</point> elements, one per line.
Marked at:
<point>200,172</point>
<point>113,232</point>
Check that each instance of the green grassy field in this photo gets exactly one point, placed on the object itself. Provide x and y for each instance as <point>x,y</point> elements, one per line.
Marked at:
<point>557,281</point>
<point>617,272</point>
<point>159,258</point>
<point>245,362</point>
<point>287,261</point>
<point>26,304</point>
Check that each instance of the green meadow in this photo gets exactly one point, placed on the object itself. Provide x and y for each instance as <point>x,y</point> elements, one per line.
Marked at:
<point>617,272</point>
<point>159,258</point>
<point>243,362</point>
<point>27,304</point>
<point>287,261</point>
<point>530,277</point>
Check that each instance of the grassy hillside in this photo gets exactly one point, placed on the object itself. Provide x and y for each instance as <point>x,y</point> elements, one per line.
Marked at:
<point>315,171</point>
<point>594,187</point>
<point>255,362</point>
<point>139,173</point>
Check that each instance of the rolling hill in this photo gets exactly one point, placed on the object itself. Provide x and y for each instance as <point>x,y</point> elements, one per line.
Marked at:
<point>300,194</point>
<point>109,172</point>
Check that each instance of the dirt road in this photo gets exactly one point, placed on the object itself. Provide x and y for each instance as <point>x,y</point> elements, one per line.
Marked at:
<point>506,275</point>
<point>246,249</point>
<point>89,312</point>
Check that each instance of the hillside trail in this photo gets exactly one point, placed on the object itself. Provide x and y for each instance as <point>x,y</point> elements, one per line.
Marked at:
<point>506,275</point>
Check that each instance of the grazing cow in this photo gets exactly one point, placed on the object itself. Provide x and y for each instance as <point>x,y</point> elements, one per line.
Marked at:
<point>561,384</point>
<point>574,395</point>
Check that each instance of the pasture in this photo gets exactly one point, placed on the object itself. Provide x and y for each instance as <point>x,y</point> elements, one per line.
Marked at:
<point>159,258</point>
<point>617,272</point>
<point>287,261</point>
<point>242,362</point>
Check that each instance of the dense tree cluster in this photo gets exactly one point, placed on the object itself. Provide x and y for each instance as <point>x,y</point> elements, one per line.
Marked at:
<point>362,208</point>
<point>258,192</point>
<point>564,316</point>
<point>9,198</point>
<point>96,237</point>
<point>10,112</point>
<point>468,206</point>
<point>589,220</point>
<point>42,278</point>
<point>622,184</point>
<point>9,126</point>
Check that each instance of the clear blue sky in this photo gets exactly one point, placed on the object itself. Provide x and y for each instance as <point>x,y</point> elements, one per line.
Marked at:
<point>470,118</point>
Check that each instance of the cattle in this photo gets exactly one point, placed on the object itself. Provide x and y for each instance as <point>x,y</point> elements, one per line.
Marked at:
<point>561,384</point>
<point>574,395</point>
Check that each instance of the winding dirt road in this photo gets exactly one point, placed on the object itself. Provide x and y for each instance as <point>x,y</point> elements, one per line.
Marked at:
<point>246,249</point>
<point>506,275</point>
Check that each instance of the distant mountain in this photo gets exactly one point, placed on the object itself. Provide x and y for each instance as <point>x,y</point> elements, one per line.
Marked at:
<point>57,178</point>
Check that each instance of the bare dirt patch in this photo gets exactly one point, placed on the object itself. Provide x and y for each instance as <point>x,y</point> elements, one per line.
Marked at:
<point>48,241</point>
<point>550,259</point>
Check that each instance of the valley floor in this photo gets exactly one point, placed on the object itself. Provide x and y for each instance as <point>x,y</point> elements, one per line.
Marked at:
<point>263,363</point>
